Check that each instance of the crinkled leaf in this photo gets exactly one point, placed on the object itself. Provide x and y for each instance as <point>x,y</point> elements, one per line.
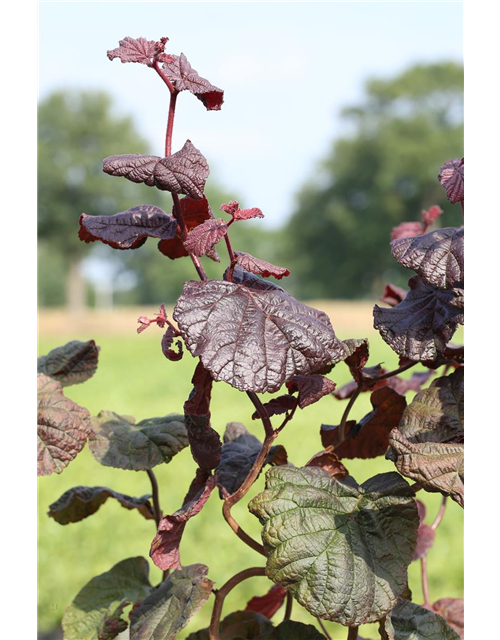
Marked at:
<point>341,549</point>
<point>80,502</point>
<point>452,610</point>
<point>393,295</point>
<point>185,78</point>
<point>103,597</point>
<point>291,630</point>
<point>118,442</point>
<point>185,171</point>
<point>165,546</point>
<point>140,50</point>
<point>238,456</point>
<point>437,256</point>
<point>409,621</point>
<point>205,236</point>
<point>260,267</point>
<point>330,462</point>
<point>166,344</point>
<point>254,340</point>
<point>233,209</point>
<point>370,437</point>
<point>168,609</point>
<point>73,363</point>
<point>451,176</point>
<point>129,229</point>
<point>428,445</point>
<point>277,406</point>
<point>240,625</point>
<point>62,426</point>
<point>311,388</point>
<point>419,327</point>
<point>269,603</point>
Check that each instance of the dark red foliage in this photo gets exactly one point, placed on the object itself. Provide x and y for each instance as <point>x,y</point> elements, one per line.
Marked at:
<point>184,78</point>
<point>269,603</point>
<point>260,267</point>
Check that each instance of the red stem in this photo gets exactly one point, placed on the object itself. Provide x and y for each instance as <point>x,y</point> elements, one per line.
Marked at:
<point>440,515</point>
<point>425,586</point>
<point>221,594</point>
<point>156,498</point>
<point>323,628</point>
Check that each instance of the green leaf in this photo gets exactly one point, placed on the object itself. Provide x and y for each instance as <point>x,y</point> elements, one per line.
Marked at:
<point>168,609</point>
<point>428,444</point>
<point>80,502</point>
<point>408,621</point>
<point>240,625</point>
<point>103,598</point>
<point>73,363</point>
<point>341,549</point>
<point>118,442</point>
<point>62,427</point>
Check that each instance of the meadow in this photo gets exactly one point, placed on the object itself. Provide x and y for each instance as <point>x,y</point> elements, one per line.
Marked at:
<point>134,378</point>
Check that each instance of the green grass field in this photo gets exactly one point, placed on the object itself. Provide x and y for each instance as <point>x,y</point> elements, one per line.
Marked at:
<point>134,378</point>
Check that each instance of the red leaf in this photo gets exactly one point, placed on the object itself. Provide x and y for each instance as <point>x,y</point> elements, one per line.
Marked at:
<point>311,388</point>
<point>165,546</point>
<point>233,209</point>
<point>269,603</point>
<point>185,78</point>
<point>429,216</point>
<point>451,176</point>
<point>277,406</point>
<point>330,462</point>
<point>393,295</point>
<point>406,230</point>
<point>185,171</point>
<point>260,267</point>
<point>140,50</point>
<point>370,437</point>
<point>452,610</point>
<point>128,229</point>
<point>205,236</point>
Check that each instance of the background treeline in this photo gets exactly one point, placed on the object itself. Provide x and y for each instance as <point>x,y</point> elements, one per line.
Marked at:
<point>335,242</point>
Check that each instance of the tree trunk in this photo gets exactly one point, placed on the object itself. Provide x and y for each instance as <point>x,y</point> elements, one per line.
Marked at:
<point>75,289</point>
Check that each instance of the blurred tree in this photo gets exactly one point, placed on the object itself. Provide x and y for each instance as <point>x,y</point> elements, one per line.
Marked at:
<point>76,130</point>
<point>336,242</point>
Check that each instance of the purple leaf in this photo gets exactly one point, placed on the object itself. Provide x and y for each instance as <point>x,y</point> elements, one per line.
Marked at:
<point>73,363</point>
<point>80,502</point>
<point>140,50</point>
<point>452,610</point>
<point>311,388</point>
<point>437,256</point>
<point>425,534</point>
<point>277,406</point>
<point>370,437</point>
<point>204,441</point>
<point>194,213</point>
<point>260,267</point>
<point>420,326</point>
<point>183,172</point>
<point>451,176</point>
<point>415,383</point>
<point>63,427</point>
<point>165,546</point>
<point>205,236</point>
<point>129,229</point>
<point>233,209</point>
<point>393,295</point>
<point>184,78</point>
<point>254,340</point>
<point>166,343</point>
<point>269,603</point>
<point>430,216</point>
<point>240,276</point>
<point>238,455</point>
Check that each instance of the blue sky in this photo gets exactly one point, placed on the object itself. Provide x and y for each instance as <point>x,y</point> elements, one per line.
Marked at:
<point>286,68</point>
